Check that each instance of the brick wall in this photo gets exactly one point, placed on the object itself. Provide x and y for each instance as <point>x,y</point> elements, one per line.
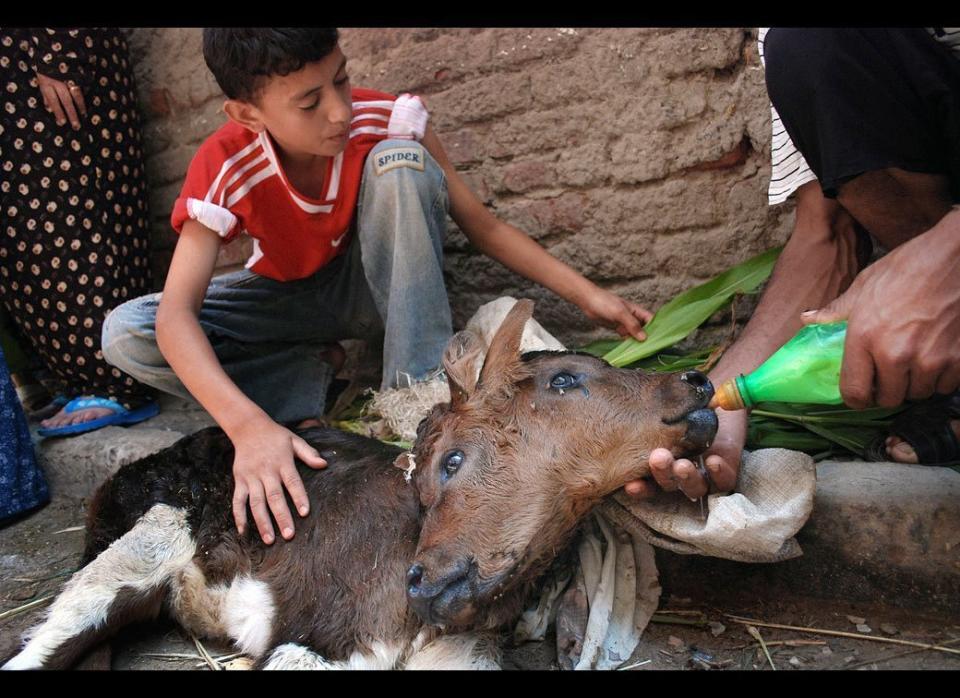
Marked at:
<point>639,156</point>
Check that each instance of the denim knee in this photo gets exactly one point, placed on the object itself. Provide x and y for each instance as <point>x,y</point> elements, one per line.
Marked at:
<point>386,171</point>
<point>128,339</point>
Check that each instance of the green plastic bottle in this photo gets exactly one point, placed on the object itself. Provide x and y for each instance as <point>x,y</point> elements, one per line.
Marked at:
<point>805,369</point>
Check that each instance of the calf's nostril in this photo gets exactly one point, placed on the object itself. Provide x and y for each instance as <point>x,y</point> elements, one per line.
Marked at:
<point>414,577</point>
<point>699,382</point>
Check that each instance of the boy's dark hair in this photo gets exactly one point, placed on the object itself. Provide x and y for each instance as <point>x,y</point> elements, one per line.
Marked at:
<point>241,58</point>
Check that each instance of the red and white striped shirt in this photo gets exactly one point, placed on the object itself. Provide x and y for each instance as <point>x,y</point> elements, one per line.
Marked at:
<point>236,185</point>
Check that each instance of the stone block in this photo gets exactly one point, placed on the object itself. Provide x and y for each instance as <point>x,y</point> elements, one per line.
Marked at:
<point>689,50</point>
<point>78,465</point>
<point>516,47</point>
<point>171,164</point>
<point>881,533</point>
<point>601,256</point>
<point>523,175</point>
<point>479,99</point>
<point>549,216</point>
<point>464,146</point>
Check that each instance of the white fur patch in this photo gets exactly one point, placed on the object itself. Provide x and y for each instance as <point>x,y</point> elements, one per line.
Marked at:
<point>248,613</point>
<point>142,559</point>
<point>471,651</point>
<point>381,656</point>
<point>292,657</point>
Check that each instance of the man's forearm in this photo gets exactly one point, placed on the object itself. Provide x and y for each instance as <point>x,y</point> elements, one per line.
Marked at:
<point>818,263</point>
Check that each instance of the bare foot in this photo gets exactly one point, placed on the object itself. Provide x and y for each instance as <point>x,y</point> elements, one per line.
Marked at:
<point>902,452</point>
<point>64,418</point>
<point>335,356</point>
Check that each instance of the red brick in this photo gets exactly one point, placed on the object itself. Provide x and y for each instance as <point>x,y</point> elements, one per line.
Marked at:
<point>158,102</point>
<point>463,147</point>
<point>540,217</point>
<point>735,158</point>
<point>525,175</point>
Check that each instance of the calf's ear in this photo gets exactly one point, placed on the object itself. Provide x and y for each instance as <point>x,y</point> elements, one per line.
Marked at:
<point>503,365</point>
<point>460,360</point>
<point>406,462</point>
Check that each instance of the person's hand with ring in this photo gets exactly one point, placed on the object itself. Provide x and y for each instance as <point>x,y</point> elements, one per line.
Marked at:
<point>63,99</point>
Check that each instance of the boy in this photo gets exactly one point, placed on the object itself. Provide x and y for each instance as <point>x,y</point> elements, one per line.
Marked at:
<point>345,192</point>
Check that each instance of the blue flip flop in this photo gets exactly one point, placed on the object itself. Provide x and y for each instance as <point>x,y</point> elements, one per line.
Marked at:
<point>121,416</point>
<point>48,410</point>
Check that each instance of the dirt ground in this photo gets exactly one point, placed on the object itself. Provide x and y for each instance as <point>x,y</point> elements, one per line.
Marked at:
<point>38,553</point>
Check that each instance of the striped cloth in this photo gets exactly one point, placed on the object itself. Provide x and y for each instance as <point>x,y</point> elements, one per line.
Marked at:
<point>788,169</point>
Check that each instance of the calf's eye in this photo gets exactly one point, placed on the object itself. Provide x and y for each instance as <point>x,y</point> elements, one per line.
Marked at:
<point>451,463</point>
<point>565,381</point>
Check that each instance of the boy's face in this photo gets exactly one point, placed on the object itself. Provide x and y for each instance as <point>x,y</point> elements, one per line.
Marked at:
<point>307,112</point>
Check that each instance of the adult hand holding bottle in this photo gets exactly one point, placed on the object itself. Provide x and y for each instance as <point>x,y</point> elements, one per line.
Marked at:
<point>819,261</point>
<point>903,313</point>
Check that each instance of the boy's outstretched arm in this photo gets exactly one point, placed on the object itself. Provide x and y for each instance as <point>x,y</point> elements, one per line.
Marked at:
<point>518,252</point>
<point>263,463</point>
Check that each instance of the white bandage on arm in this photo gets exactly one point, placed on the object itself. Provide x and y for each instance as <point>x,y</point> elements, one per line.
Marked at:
<point>217,218</point>
<point>409,118</point>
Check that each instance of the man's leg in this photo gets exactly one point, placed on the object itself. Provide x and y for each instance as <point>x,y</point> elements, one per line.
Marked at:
<point>401,225</point>
<point>269,336</point>
<point>896,205</point>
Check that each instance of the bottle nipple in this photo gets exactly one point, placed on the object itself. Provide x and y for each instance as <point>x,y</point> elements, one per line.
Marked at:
<point>727,396</point>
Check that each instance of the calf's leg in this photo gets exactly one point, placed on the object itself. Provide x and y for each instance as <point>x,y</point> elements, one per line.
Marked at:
<point>461,651</point>
<point>293,656</point>
<point>126,582</point>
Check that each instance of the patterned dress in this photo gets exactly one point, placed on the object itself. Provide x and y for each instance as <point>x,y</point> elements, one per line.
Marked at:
<point>22,484</point>
<point>73,214</point>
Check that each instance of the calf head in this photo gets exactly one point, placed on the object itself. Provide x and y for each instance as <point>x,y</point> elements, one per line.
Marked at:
<point>507,469</point>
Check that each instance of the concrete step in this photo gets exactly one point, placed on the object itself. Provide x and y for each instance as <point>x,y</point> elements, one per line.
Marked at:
<point>77,465</point>
<point>879,532</point>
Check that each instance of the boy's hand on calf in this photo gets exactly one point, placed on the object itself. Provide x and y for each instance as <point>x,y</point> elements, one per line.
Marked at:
<point>263,466</point>
<point>614,312</point>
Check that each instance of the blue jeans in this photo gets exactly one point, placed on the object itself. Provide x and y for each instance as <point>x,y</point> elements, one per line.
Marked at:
<point>269,335</point>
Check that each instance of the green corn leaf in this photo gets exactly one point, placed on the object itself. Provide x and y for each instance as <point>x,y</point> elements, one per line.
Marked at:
<point>690,309</point>
<point>765,432</point>
<point>671,363</point>
<point>854,439</point>
<point>775,425</point>
<point>601,346</point>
